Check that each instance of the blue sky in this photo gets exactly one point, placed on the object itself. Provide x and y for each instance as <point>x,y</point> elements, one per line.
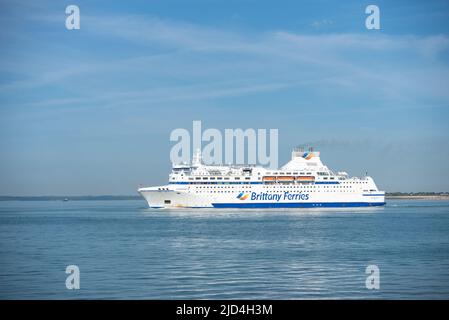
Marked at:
<point>90,111</point>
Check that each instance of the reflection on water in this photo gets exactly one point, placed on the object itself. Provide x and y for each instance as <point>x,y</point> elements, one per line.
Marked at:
<point>256,213</point>
<point>125,250</point>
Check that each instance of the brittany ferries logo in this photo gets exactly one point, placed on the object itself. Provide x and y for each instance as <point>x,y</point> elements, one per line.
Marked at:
<point>308,155</point>
<point>273,196</point>
<point>243,196</point>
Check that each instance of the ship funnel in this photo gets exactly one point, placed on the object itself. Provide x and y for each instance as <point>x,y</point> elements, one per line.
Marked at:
<point>299,152</point>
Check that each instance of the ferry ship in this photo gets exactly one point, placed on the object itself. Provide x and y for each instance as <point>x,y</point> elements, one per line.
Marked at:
<point>304,182</point>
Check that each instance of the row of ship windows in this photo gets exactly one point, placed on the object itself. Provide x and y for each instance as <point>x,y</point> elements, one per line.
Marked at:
<point>238,178</point>
<point>280,173</point>
<point>220,191</point>
<point>272,183</point>
<point>294,173</point>
<point>277,187</point>
<point>219,178</point>
<point>248,178</point>
<point>357,182</point>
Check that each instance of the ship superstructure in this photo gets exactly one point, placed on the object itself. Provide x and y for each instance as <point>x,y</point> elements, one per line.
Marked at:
<point>303,182</point>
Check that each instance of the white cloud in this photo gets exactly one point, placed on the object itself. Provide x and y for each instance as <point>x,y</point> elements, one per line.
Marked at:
<point>321,23</point>
<point>224,63</point>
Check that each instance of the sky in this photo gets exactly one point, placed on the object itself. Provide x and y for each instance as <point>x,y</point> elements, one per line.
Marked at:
<point>90,111</point>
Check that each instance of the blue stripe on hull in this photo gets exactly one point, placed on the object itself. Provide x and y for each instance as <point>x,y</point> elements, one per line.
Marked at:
<point>298,205</point>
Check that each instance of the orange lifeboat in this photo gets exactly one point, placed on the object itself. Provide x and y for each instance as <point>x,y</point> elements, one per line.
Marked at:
<point>269,178</point>
<point>285,178</point>
<point>305,178</point>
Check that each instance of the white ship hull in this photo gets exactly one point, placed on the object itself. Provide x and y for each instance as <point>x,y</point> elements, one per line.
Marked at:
<point>304,182</point>
<point>181,198</point>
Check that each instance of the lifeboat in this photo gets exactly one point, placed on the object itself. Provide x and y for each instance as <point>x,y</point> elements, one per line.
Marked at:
<point>269,178</point>
<point>285,178</point>
<point>305,178</point>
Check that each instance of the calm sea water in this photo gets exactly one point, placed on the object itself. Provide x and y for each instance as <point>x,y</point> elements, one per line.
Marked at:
<point>126,251</point>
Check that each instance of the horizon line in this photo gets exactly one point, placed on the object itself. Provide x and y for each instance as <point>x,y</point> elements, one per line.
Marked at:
<point>136,196</point>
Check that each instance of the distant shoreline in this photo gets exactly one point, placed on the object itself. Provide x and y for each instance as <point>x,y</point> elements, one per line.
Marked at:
<point>391,196</point>
<point>438,197</point>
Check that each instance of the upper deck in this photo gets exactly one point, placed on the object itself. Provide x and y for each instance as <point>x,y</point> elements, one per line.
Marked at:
<point>305,167</point>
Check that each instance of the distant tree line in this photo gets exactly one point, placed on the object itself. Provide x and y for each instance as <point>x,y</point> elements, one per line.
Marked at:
<point>417,194</point>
